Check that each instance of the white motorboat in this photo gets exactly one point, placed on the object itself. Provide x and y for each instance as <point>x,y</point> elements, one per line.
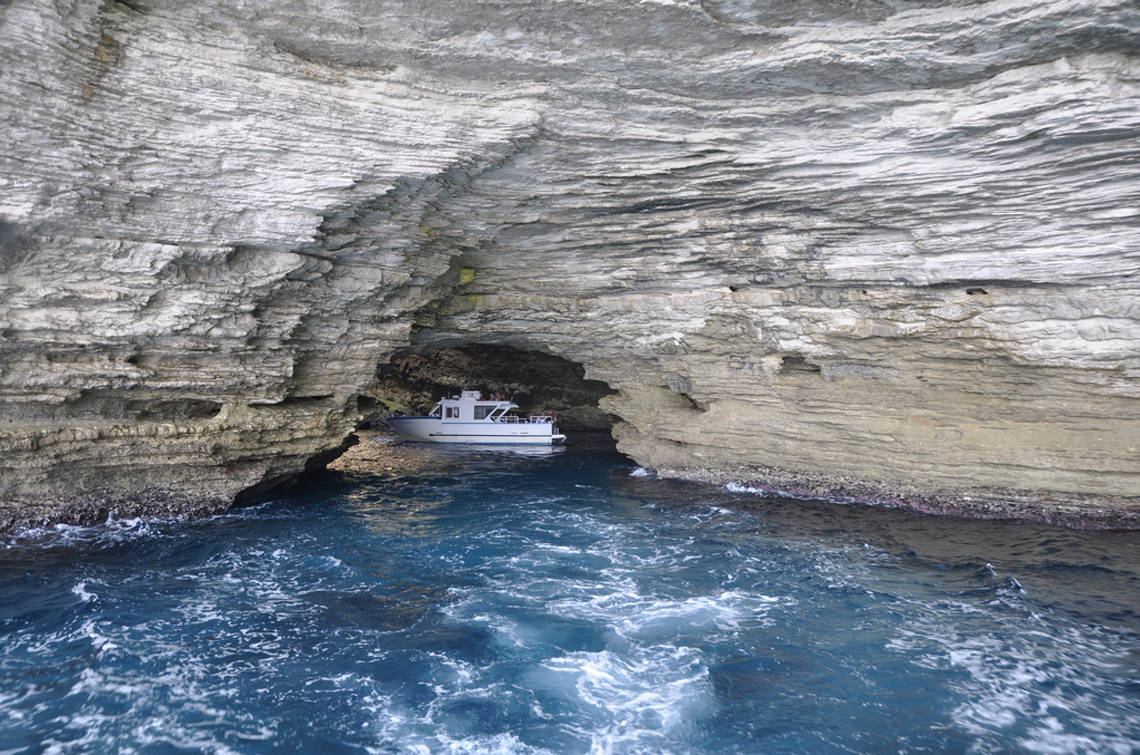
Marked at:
<point>468,418</point>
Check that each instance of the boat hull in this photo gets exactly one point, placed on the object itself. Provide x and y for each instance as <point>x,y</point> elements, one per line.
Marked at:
<point>435,430</point>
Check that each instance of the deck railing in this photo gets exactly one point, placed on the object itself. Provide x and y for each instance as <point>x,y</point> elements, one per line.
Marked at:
<point>534,419</point>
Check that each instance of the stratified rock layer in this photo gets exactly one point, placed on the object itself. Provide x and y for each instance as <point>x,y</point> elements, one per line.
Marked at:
<point>881,250</point>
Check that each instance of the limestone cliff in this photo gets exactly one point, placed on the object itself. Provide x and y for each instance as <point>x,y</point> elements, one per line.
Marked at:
<point>885,250</point>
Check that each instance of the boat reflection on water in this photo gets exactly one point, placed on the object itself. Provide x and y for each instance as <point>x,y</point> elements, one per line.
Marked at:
<point>403,489</point>
<point>507,449</point>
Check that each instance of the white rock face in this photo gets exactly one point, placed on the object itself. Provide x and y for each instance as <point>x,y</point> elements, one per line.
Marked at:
<point>886,250</point>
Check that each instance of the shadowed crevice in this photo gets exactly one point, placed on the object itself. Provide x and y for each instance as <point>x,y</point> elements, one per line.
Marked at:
<point>535,380</point>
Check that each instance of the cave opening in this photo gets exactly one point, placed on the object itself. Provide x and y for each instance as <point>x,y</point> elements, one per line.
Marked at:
<point>415,379</point>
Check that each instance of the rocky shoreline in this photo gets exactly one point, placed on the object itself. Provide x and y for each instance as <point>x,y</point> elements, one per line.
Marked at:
<point>380,453</point>
<point>1064,510</point>
<point>92,508</point>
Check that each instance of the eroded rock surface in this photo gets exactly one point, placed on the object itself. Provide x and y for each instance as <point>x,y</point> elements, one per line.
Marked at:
<point>886,250</point>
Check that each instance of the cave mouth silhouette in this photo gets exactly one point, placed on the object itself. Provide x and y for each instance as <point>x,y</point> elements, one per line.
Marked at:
<point>413,380</point>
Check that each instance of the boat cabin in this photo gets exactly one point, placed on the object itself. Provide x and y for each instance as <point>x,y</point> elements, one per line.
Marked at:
<point>469,406</point>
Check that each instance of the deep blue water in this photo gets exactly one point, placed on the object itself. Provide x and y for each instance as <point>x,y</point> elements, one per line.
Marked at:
<point>503,603</point>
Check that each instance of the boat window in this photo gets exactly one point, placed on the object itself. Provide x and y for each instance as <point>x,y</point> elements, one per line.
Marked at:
<point>451,412</point>
<point>435,412</point>
<point>482,412</point>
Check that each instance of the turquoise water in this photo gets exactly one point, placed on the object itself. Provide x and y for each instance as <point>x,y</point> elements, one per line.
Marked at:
<point>566,603</point>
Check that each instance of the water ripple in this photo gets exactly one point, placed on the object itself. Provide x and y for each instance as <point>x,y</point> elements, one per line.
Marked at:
<point>563,605</point>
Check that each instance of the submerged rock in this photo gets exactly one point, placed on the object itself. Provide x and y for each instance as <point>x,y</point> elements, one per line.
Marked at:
<point>886,247</point>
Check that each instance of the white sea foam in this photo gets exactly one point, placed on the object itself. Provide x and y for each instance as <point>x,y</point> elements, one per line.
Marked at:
<point>117,703</point>
<point>1029,679</point>
<point>99,641</point>
<point>1050,738</point>
<point>697,616</point>
<point>83,735</point>
<point>640,472</point>
<point>644,699</point>
<point>493,744</point>
<point>112,530</point>
<point>92,681</point>
<point>80,589</point>
<point>430,728</point>
<point>556,548</point>
<point>649,685</point>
